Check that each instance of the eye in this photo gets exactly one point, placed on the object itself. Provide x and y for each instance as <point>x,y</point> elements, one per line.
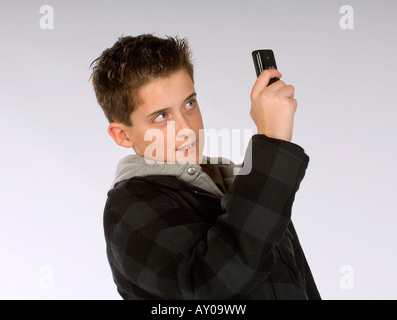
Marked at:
<point>191,104</point>
<point>161,117</point>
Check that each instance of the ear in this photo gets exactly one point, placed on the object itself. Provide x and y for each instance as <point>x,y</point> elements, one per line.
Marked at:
<point>118,132</point>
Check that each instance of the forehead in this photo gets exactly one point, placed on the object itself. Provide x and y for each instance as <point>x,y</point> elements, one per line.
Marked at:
<point>166,90</point>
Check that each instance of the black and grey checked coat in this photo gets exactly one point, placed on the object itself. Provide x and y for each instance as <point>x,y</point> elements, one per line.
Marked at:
<point>167,239</point>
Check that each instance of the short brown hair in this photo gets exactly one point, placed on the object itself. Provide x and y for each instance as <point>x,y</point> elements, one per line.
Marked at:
<point>129,64</point>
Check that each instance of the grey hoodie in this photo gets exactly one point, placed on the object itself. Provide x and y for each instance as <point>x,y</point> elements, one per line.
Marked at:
<point>136,166</point>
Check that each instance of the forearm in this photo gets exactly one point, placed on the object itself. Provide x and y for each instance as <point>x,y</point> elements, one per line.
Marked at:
<point>258,205</point>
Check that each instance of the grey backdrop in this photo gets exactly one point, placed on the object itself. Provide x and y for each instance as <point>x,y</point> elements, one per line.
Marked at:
<point>57,161</point>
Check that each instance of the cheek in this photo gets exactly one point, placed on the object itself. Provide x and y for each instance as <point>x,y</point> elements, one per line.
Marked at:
<point>147,139</point>
<point>198,126</point>
<point>156,145</point>
<point>168,139</point>
<point>160,139</point>
<point>200,120</point>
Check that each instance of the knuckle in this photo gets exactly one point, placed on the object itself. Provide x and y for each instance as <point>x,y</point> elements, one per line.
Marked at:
<point>252,96</point>
<point>294,104</point>
<point>262,94</point>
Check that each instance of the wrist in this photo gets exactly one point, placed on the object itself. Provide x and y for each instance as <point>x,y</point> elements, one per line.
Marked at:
<point>283,137</point>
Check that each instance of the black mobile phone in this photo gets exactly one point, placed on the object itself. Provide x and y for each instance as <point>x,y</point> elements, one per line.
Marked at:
<point>264,59</point>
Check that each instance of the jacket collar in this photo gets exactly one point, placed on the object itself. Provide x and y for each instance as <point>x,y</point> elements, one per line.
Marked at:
<point>191,173</point>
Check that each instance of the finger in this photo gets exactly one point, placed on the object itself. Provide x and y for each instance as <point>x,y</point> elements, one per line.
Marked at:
<point>263,80</point>
<point>287,91</point>
<point>276,86</point>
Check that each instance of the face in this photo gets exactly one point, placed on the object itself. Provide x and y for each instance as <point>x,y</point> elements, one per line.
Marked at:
<point>167,122</point>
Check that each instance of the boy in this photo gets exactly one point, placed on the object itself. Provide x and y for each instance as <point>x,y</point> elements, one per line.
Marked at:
<point>177,226</point>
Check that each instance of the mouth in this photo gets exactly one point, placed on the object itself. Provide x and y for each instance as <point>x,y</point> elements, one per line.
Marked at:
<point>187,148</point>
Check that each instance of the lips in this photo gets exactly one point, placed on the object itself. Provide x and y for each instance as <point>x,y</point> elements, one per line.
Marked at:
<point>187,147</point>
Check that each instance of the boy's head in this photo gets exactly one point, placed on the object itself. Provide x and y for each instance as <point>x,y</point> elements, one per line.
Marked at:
<point>145,85</point>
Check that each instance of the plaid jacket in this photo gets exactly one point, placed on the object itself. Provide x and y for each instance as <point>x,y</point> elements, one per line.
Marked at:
<point>167,239</point>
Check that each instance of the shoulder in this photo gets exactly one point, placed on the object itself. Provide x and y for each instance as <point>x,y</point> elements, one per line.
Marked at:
<point>147,203</point>
<point>132,203</point>
<point>137,189</point>
<point>158,193</point>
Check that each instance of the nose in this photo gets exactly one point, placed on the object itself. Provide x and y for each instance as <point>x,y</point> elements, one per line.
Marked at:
<point>181,123</point>
<point>182,127</point>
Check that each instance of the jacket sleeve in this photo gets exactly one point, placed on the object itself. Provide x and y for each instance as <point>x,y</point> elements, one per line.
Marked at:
<point>155,245</point>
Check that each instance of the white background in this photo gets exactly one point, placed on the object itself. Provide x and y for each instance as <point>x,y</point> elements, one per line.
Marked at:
<point>57,161</point>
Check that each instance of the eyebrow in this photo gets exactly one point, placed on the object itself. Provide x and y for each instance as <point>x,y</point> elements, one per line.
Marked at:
<point>166,109</point>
